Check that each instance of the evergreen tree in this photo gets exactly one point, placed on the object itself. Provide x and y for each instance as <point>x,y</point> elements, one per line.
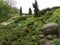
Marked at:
<point>36,9</point>
<point>30,11</point>
<point>20,11</point>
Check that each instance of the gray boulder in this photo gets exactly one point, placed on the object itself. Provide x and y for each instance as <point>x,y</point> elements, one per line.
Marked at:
<point>51,29</point>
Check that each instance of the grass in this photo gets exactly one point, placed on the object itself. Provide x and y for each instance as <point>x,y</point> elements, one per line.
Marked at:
<point>25,30</point>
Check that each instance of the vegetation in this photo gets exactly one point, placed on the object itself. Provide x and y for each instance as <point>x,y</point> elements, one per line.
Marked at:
<point>30,11</point>
<point>16,29</point>
<point>21,11</point>
<point>36,9</point>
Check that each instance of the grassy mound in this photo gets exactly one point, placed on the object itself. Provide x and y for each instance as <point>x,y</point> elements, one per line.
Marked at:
<point>25,30</point>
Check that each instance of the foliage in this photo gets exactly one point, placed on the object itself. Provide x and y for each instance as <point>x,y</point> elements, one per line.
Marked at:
<point>21,11</point>
<point>5,11</point>
<point>11,3</point>
<point>30,11</point>
<point>36,9</point>
<point>24,30</point>
<point>56,42</point>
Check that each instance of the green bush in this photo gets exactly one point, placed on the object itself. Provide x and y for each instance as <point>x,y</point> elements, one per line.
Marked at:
<point>56,42</point>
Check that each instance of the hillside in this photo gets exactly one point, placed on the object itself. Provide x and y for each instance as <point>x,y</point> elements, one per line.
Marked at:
<point>25,30</point>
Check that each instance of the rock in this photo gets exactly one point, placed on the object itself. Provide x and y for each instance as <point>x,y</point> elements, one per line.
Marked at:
<point>41,36</point>
<point>50,37</point>
<point>51,29</point>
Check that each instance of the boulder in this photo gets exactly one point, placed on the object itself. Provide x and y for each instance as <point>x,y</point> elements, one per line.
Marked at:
<point>51,29</point>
